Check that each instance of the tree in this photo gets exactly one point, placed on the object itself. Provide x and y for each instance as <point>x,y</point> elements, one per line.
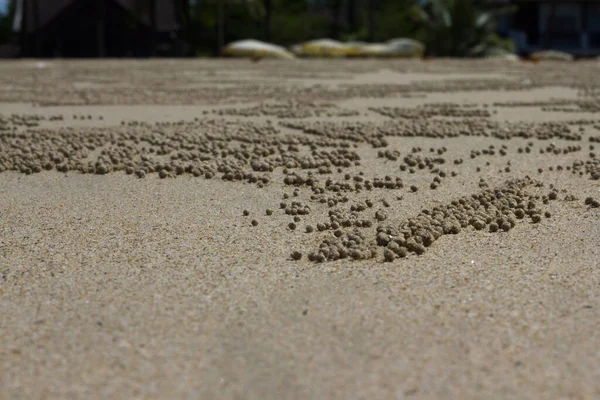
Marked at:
<point>100,25</point>
<point>336,9</point>
<point>143,8</point>
<point>460,28</point>
<point>209,20</point>
<point>351,15</point>
<point>378,20</point>
<point>6,22</point>
<point>268,7</point>
<point>295,21</point>
<point>153,26</point>
<point>371,19</point>
<point>182,8</point>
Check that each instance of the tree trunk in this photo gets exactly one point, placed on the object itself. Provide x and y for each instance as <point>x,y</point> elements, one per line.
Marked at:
<point>351,16</point>
<point>24,30</point>
<point>100,51</point>
<point>220,28</point>
<point>336,8</point>
<point>268,15</point>
<point>36,23</point>
<point>187,25</point>
<point>153,27</point>
<point>181,27</point>
<point>549,26</point>
<point>583,31</point>
<point>371,19</point>
<point>196,28</point>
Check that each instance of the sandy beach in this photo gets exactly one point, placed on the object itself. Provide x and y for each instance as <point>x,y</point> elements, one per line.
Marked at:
<point>345,229</point>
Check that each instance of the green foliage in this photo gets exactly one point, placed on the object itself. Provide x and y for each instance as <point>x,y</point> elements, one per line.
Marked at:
<point>502,44</point>
<point>460,28</point>
<point>448,27</point>
<point>294,21</point>
<point>291,28</point>
<point>393,20</point>
<point>241,21</point>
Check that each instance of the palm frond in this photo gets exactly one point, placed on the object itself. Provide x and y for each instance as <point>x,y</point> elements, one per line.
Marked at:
<point>459,27</point>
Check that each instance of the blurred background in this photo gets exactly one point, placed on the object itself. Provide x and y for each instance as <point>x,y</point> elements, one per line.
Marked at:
<point>190,28</point>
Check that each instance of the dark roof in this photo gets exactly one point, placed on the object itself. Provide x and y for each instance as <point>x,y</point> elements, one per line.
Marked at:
<point>166,18</point>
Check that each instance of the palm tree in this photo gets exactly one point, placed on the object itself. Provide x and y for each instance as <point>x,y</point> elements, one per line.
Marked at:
<point>459,28</point>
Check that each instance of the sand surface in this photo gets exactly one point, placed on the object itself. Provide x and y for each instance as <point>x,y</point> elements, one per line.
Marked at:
<point>114,286</point>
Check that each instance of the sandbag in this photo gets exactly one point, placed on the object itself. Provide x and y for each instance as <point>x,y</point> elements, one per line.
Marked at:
<point>360,49</point>
<point>256,49</point>
<point>321,48</point>
<point>403,47</point>
<point>550,55</point>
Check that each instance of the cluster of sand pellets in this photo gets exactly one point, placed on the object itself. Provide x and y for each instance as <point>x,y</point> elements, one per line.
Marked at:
<point>289,110</point>
<point>375,133</point>
<point>492,209</point>
<point>225,82</point>
<point>343,182</point>
<point>385,90</point>
<point>556,105</point>
<point>322,164</point>
<point>9,122</point>
<point>434,110</point>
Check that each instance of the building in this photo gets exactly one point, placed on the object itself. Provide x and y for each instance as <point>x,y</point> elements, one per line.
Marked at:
<point>98,28</point>
<point>570,26</point>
